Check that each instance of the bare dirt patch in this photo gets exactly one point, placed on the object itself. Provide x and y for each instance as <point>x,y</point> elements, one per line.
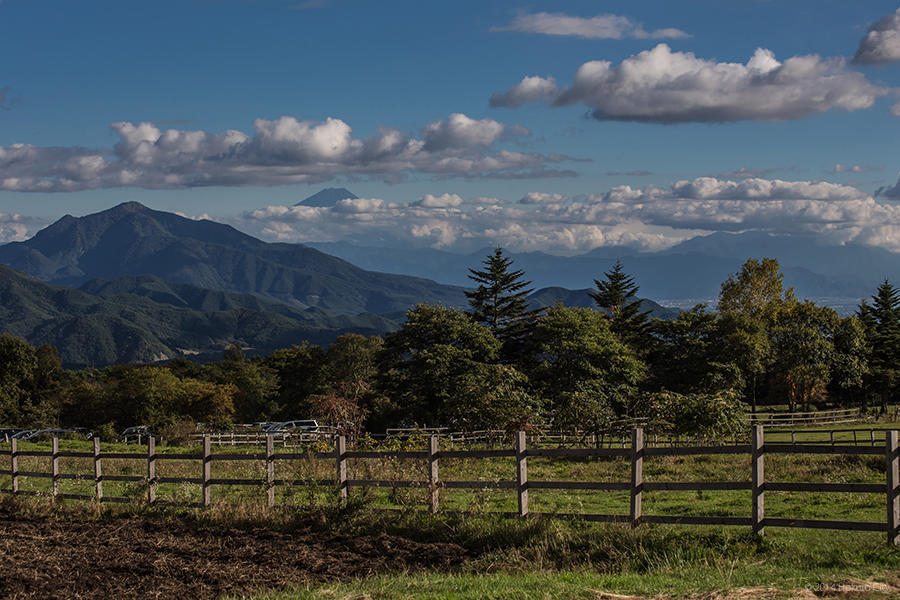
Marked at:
<point>175,558</point>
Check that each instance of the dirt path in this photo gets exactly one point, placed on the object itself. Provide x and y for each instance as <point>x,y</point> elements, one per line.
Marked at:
<point>142,558</point>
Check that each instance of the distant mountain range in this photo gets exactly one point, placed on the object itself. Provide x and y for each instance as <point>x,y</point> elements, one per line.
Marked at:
<point>145,285</point>
<point>685,274</point>
<point>132,284</point>
<point>132,239</point>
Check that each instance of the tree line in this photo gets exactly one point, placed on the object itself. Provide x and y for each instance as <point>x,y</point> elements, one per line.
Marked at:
<point>503,365</point>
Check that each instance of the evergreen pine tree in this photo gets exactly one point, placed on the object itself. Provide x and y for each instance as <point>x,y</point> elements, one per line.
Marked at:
<point>499,301</point>
<point>881,321</point>
<point>616,296</point>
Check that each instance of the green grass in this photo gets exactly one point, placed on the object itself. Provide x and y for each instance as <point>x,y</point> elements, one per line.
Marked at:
<point>540,558</point>
<point>561,586</point>
<point>550,558</point>
<point>536,557</point>
<point>779,467</point>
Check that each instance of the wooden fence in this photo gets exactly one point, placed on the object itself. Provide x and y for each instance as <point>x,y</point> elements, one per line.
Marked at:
<point>636,452</point>
<point>823,417</point>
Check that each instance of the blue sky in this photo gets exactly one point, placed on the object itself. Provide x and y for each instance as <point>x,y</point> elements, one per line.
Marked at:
<point>659,161</point>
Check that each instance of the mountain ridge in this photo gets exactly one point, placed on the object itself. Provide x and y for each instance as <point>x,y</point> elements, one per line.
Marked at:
<point>131,239</point>
<point>688,272</point>
<point>115,322</point>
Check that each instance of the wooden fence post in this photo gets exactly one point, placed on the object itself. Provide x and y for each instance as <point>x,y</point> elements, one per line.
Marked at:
<point>151,470</point>
<point>270,470</point>
<point>98,471</point>
<point>758,468</point>
<point>522,473</point>
<point>207,470</point>
<point>637,474</point>
<point>892,475</point>
<point>433,490</point>
<point>54,466</point>
<point>340,452</point>
<point>14,464</point>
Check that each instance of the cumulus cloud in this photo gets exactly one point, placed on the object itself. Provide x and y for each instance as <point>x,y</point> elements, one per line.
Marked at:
<point>841,168</point>
<point>484,200</point>
<point>646,218</point>
<point>460,131</point>
<point>881,43</point>
<point>601,26</point>
<point>530,89</point>
<point>442,201</point>
<point>279,151</point>
<point>17,228</point>
<point>542,198</point>
<point>890,192</point>
<point>662,86</point>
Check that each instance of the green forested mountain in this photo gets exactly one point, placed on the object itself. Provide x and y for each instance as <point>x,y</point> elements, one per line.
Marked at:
<point>131,239</point>
<point>582,298</point>
<point>138,319</point>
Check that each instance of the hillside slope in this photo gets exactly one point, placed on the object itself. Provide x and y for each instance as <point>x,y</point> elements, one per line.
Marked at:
<point>131,239</point>
<point>146,319</point>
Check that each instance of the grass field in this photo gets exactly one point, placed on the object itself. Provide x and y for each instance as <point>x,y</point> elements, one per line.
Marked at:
<point>546,558</point>
<point>779,467</point>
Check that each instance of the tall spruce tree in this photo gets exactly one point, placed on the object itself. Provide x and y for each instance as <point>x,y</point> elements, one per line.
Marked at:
<point>881,321</point>
<point>616,296</point>
<point>499,301</point>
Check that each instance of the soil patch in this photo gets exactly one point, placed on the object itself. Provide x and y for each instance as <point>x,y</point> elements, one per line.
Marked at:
<point>165,558</point>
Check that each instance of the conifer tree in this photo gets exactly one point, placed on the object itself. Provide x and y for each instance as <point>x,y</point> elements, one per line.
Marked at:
<point>616,296</point>
<point>881,321</point>
<point>499,301</point>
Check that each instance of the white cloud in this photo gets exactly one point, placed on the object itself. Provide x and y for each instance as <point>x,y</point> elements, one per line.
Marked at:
<point>607,26</point>
<point>16,228</point>
<point>280,151</point>
<point>542,198</point>
<point>647,218</point>
<point>460,131</point>
<point>841,168</point>
<point>484,200</point>
<point>530,89</point>
<point>442,201</point>
<point>663,86</point>
<point>881,44</point>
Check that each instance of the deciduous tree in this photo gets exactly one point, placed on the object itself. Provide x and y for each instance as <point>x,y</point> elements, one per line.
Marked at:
<point>573,351</point>
<point>431,361</point>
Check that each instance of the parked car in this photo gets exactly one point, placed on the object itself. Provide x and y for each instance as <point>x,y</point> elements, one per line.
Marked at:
<point>71,432</point>
<point>7,433</point>
<point>301,426</point>
<point>135,433</point>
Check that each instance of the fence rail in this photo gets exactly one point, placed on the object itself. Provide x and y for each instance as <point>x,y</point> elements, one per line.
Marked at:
<point>636,452</point>
<point>823,417</point>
